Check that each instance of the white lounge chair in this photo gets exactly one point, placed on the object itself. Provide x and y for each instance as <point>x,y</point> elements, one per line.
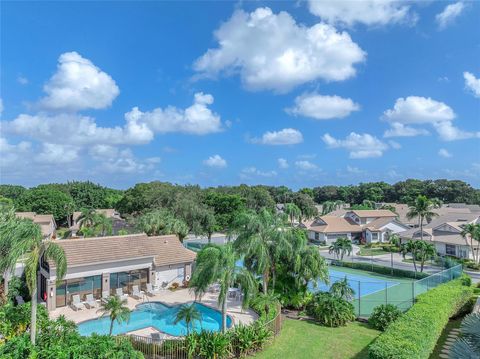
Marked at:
<point>105,296</point>
<point>150,291</point>
<point>19,299</point>
<point>136,292</point>
<point>119,292</point>
<point>76,303</point>
<point>90,302</point>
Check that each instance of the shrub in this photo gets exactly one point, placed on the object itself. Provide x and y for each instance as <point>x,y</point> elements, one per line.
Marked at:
<point>415,333</point>
<point>330,310</point>
<point>383,315</point>
<point>381,269</point>
<point>248,339</point>
<point>466,280</point>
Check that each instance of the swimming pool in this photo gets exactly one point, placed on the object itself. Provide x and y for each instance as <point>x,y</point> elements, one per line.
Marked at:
<point>157,315</point>
<point>362,284</point>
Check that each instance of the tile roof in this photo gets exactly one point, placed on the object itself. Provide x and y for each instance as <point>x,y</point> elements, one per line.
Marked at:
<point>335,224</point>
<point>164,250</point>
<point>45,221</point>
<point>370,213</point>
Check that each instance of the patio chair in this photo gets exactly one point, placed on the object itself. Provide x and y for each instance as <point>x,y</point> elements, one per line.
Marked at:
<point>105,296</point>
<point>76,303</point>
<point>90,302</point>
<point>136,292</point>
<point>150,291</point>
<point>119,292</point>
<point>158,337</point>
<point>19,299</point>
<point>164,286</point>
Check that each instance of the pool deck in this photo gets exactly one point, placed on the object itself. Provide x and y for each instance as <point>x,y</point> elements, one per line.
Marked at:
<point>180,296</point>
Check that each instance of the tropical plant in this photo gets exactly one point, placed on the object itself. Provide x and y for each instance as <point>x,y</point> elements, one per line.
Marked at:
<point>265,304</point>
<point>116,309</point>
<point>330,206</point>
<point>330,310</point>
<point>341,247</point>
<point>293,212</point>
<point>177,227</point>
<point>217,264</point>
<point>342,289</point>
<point>471,232</point>
<point>103,223</point>
<point>247,339</point>
<point>23,238</point>
<point>155,222</point>
<point>383,315</point>
<point>422,209</point>
<point>420,250</point>
<point>86,218</point>
<point>188,313</point>
<point>468,345</point>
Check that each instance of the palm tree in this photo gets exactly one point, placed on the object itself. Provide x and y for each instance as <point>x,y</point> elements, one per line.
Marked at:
<point>104,223</point>
<point>217,264</point>
<point>116,308</point>
<point>261,238</point>
<point>422,209</point>
<point>335,249</point>
<point>468,345</point>
<point>154,223</point>
<point>23,238</point>
<point>265,301</point>
<point>189,313</point>
<point>345,246</point>
<point>178,227</point>
<point>472,231</point>
<point>342,289</point>
<point>293,212</point>
<point>420,250</point>
<point>409,247</point>
<point>87,218</point>
<point>330,206</point>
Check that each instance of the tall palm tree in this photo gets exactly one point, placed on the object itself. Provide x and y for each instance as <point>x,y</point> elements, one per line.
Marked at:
<point>420,251</point>
<point>217,264</point>
<point>293,212</point>
<point>345,246</point>
<point>472,231</point>
<point>189,313</point>
<point>105,224</point>
<point>23,238</point>
<point>330,206</point>
<point>342,289</point>
<point>116,308</point>
<point>422,209</point>
<point>335,249</point>
<point>261,238</point>
<point>86,218</point>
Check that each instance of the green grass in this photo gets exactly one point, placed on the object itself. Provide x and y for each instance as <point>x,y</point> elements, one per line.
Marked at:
<point>368,252</point>
<point>302,339</point>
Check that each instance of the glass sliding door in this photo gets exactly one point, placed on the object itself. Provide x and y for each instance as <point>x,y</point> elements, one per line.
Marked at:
<point>78,286</point>
<point>126,280</point>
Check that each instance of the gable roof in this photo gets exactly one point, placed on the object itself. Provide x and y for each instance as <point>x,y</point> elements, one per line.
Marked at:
<point>334,225</point>
<point>371,213</point>
<point>45,221</point>
<point>164,250</point>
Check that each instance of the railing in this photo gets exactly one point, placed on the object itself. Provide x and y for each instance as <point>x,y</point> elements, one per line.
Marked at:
<point>178,349</point>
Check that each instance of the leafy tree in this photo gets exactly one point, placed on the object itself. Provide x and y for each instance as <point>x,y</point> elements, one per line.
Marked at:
<point>178,227</point>
<point>20,237</point>
<point>116,309</point>
<point>155,222</point>
<point>330,206</point>
<point>306,205</point>
<point>342,289</point>
<point>383,315</point>
<point>88,195</point>
<point>45,201</point>
<point>11,191</point>
<point>188,313</point>
<point>422,209</point>
<point>293,212</point>
<point>471,233</point>
<point>217,264</point>
<point>225,207</point>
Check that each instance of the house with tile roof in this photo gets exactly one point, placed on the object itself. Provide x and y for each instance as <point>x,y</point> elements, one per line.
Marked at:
<point>46,222</point>
<point>104,264</point>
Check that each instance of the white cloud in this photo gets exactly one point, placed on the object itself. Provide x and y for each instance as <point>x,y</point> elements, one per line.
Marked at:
<point>400,130</point>
<point>102,152</point>
<point>444,153</point>
<point>472,83</point>
<point>354,170</point>
<point>22,80</point>
<point>418,110</point>
<point>126,163</point>
<point>250,172</point>
<point>1,106</point>
<point>306,165</point>
<point>448,132</point>
<point>287,136</point>
<point>13,153</point>
<point>322,107</point>
<point>272,52</point>
<point>394,145</point>
<point>78,85</point>
<point>197,119</point>
<point>57,154</point>
<point>282,163</point>
<point>215,161</point>
<point>359,145</point>
<point>367,12</point>
<point>449,14</point>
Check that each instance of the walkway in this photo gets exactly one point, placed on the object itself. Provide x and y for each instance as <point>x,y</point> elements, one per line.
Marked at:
<point>451,338</point>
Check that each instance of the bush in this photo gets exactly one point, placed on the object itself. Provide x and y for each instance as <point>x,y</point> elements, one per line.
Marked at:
<point>383,315</point>
<point>248,339</point>
<point>466,280</point>
<point>330,310</point>
<point>18,286</point>
<point>381,269</point>
<point>415,333</point>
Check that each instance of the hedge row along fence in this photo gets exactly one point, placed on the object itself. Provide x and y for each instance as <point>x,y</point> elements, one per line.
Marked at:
<point>402,273</point>
<point>415,334</point>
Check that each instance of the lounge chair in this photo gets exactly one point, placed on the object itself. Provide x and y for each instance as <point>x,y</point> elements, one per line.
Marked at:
<point>90,302</point>
<point>105,296</point>
<point>19,299</point>
<point>150,291</point>
<point>158,337</point>
<point>119,292</point>
<point>136,292</point>
<point>76,303</point>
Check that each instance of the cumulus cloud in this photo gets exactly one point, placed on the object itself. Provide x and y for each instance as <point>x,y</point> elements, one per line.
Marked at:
<point>322,107</point>
<point>472,83</point>
<point>449,14</point>
<point>198,119</point>
<point>354,170</point>
<point>359,145</point>
<point>282,163</point>
<point>126,163</point>
<point>78,85</point>
<point>272,52</point>
<point>250,172</point>
<point>215,161</point>
<point>306,165</point>
<point>444,153</point>
<point>394,145</point>
<point>57,154</point>
<point>367,12</point>
<point>415,110</point>
<point>287,136</point>
<point>13,153</point>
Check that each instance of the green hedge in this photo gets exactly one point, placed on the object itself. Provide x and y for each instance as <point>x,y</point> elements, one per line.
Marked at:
<point>402,273</point>
<point>414,335</point>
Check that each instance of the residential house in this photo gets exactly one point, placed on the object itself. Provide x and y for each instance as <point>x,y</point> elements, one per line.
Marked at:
<point>117,221</point>
<point>100,264</point>
<point>46,222</point>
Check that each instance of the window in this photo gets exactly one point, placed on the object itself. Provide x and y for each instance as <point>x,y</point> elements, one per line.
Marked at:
<point>317,236</point>
<point>374,236</point>
<point>450,250</point>
<point>78,286</point>
<point>126,280</point>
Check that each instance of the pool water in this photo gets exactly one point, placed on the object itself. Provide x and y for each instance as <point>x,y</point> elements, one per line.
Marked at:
<point>157,315</point>
<point>362,284</point>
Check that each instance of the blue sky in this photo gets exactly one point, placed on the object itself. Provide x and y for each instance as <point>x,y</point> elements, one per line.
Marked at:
<point>219,93</point>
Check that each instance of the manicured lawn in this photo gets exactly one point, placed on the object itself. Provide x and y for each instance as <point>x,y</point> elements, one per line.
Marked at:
<point>367,252</point>
<point>302,339</point>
